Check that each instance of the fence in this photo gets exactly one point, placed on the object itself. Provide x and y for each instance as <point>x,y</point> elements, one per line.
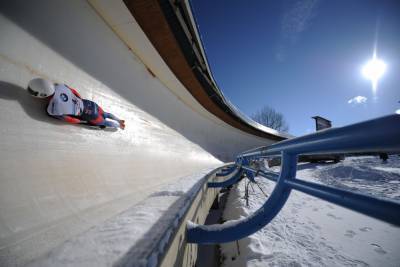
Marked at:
<point>377,135</point>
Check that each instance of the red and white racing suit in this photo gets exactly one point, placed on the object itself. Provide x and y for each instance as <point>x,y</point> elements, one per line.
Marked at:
<point>67,104</point>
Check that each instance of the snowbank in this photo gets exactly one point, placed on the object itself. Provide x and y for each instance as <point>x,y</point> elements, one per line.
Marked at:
<point>312,232</point>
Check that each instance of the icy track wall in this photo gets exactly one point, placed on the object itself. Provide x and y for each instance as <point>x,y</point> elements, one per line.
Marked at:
<point>57,180</point>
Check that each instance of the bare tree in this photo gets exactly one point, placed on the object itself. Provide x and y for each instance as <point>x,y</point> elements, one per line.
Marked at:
<point>271,118</point>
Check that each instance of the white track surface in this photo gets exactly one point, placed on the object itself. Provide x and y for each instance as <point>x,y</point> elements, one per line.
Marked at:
<point>57,180</point>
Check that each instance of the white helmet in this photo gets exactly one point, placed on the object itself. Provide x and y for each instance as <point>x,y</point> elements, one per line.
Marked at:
<point>40,88</point>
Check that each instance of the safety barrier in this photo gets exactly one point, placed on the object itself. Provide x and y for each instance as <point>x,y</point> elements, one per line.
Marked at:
<point>231,181</point>
<point>377,135</point>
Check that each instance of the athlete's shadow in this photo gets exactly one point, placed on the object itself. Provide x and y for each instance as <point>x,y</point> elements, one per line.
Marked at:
<point>35,107</point>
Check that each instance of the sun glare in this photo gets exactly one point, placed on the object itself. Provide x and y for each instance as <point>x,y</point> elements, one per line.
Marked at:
<point>374,70</point>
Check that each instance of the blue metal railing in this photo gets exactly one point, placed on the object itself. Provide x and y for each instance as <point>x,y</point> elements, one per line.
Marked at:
<point>378,135</point>
<point>226,171</point>
<point>231,181</point>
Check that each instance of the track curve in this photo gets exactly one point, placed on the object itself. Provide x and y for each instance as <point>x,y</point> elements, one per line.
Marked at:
<point>58,180</point>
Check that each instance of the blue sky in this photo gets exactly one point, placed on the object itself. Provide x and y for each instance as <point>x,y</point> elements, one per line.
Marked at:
<point>303,58</point>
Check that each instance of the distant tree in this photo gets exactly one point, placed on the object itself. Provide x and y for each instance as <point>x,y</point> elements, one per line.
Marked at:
<point>271,118</point>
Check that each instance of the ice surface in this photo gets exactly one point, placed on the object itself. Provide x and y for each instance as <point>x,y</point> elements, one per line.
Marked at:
<point>59,180</point>
<point>135,237</point>
<point>312,232</point>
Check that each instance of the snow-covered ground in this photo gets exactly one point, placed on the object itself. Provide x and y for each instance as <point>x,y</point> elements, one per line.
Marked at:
<point>312,232</point>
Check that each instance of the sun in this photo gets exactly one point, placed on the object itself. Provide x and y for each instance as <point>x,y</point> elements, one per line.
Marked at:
<point>373,70</point>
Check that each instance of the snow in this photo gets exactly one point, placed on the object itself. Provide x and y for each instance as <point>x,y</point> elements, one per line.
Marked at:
<point>135,237</point>
<point>312,232</point>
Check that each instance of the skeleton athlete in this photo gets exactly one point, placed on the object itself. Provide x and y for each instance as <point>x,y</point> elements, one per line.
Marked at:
<point>66,104</point>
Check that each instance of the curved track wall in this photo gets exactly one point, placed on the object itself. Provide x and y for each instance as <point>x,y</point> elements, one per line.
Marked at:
<point>57,180</point>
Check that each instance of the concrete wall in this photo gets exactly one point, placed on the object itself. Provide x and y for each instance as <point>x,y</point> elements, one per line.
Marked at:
<point>57,180</point>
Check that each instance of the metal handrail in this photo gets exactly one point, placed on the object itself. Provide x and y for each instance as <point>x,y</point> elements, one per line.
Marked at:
<point>231,181</point>
<point>377,135</point>
<point>225,172</point>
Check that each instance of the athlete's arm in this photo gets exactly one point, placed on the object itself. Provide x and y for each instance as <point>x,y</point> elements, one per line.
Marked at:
<point>74,91</point>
